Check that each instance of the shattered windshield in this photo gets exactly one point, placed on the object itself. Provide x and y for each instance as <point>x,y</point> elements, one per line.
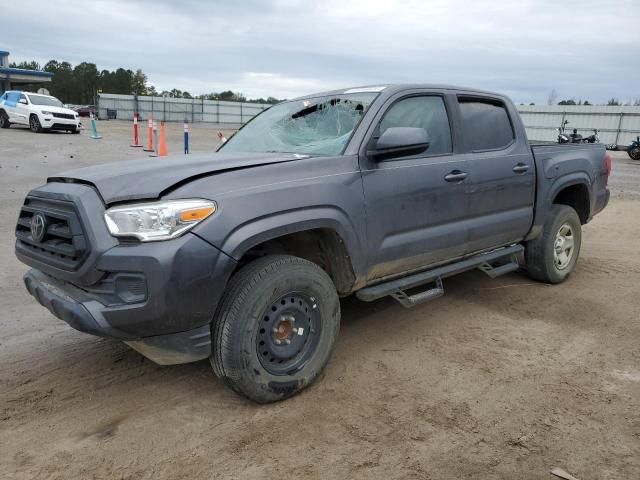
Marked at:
<point>317,126</point>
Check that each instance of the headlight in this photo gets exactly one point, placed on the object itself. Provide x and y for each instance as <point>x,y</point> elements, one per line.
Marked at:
<point>158,220</point>
<point>44,112</point>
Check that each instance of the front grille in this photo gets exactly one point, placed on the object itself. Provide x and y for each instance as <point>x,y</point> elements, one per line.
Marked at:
<point>68,116</point>
<point>63,244</point>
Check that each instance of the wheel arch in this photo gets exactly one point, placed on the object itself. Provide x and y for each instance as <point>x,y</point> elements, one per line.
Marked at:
<point>575,193</point>
<point>322,239</point>
<point>548,194</point>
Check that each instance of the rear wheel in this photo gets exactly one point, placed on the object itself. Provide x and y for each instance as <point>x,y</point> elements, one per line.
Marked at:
<point>4,119</point>
<point>634,153</point>
<point>553,255</point>
<point>34,124</point>
<point>275,328</point>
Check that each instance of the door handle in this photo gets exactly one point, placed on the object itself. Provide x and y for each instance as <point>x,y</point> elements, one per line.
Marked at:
<point>455,176</point>
<point>521,168</point>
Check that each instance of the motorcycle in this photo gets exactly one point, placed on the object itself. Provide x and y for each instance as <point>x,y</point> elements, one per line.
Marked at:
<point>634,149</point>
<point>563,137</point>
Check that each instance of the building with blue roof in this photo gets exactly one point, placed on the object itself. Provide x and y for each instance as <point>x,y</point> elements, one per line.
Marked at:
<point>12,78</point>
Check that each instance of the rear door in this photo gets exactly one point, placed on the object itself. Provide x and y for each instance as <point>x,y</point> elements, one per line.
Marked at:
<point>501,179</point>
<point>10,105</point>
<point>416,206</point>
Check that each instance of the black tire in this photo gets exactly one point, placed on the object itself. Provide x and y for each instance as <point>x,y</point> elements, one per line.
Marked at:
<point>542,262</point>
<point>257,299</point>
<point>34,124</point>
<point>4,119</point>
<point>75,130</point>
<point>634,153</point>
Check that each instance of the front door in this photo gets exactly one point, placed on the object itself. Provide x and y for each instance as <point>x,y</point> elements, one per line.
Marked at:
<point>416,205</point>
<point>22,110</point>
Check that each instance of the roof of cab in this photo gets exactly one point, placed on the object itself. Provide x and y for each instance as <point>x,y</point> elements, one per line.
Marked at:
<point>390,89</point>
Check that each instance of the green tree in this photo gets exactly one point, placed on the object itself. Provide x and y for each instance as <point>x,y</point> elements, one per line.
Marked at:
<point>139,83</point>
<point>86,81</point>
<point>63,84</point>
<point>33,65</point>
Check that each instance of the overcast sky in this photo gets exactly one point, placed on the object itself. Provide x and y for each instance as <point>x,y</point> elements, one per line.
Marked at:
<point>284,48</point>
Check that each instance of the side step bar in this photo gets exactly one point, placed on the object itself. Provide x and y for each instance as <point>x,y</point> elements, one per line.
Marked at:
<point>506,257</point>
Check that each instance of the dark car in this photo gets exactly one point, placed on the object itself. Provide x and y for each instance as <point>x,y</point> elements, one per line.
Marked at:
<point>241,256</point>
<point>86,110</point>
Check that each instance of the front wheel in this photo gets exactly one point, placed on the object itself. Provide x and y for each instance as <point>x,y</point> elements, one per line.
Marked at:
<point>552,256</point>
<point>634,153</point>
<point>275,328</point>
<point>34,124</point>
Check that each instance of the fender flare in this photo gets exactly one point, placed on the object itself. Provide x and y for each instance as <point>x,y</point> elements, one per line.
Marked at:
<point>544,199</point>
<point>569,180</point>
<point>260,230</point>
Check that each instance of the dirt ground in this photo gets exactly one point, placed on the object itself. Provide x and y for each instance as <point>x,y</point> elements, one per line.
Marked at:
<point>501,378</point>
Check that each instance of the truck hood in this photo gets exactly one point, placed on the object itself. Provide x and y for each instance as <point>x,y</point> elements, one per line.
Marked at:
<point>151,178</point>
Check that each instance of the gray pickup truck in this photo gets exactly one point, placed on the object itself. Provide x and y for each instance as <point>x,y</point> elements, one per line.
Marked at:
<point>241,256</point>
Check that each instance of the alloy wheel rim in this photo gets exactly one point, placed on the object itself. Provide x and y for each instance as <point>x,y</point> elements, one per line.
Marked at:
<point>563,246</point>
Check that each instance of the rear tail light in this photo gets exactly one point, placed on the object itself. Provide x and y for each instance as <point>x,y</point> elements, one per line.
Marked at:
<point>607,166</point>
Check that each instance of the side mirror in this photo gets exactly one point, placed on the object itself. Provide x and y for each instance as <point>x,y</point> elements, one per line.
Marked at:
<point>401,141</point>
<point>22,101</point>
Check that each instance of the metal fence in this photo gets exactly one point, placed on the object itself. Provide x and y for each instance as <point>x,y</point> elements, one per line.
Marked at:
<point>177,109</point>
<point>616,124</point>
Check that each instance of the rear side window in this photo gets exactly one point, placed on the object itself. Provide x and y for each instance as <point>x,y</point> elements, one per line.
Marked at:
<point>485,124</point>
<point>424,112</point>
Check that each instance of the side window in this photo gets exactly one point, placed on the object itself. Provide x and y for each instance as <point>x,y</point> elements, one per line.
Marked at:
<point>485,124</point>
<point>22,97</point>
<point>425,112</point>
<point>12,98</point>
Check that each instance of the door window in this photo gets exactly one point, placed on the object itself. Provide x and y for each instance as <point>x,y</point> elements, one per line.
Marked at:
<point>485,124</point>
<point>426,112</point>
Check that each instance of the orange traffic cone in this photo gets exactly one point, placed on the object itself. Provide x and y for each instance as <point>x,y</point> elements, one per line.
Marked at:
<point>162,144</point>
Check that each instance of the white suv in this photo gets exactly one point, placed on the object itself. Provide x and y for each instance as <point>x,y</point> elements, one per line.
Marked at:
<point>39,112</point>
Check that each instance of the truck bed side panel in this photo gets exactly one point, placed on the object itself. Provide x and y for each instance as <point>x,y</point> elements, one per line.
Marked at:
<point>561,166</point>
